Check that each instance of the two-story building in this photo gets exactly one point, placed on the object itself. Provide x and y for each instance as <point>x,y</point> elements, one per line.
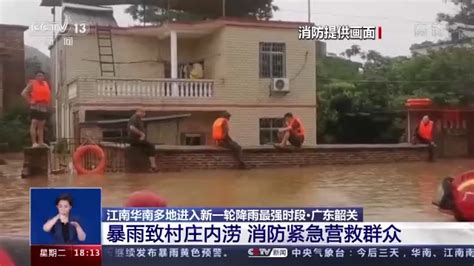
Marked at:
<point>256,70</point>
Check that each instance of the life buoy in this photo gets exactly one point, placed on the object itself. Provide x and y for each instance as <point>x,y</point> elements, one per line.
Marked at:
<point>79,154</point>
<point>463,194</point>
<point>5,259</point>
<point>145,198</point>
<point>418,102</point>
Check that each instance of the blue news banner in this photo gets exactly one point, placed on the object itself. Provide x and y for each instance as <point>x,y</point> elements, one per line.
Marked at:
<point>265,236</point>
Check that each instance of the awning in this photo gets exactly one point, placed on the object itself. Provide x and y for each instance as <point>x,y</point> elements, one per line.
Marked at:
<point>146,120</point>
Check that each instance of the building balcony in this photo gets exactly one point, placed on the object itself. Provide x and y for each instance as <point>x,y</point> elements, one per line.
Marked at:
<point>130,90</point>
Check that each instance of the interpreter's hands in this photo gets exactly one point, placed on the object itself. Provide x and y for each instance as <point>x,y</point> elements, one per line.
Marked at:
<point>143,136</point>
<point>75,224</point>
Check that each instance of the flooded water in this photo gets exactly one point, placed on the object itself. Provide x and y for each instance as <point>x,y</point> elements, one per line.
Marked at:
<point>388,192</point>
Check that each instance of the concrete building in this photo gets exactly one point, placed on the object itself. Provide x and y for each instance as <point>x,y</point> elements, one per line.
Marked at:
<point>256,70</point>
<point>462,36</point>
<point>12,66</point>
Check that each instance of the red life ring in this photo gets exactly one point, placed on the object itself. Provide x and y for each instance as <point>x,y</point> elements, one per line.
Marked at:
<point>5,259</point>
<point>79,154</point>
<point>463,194</point>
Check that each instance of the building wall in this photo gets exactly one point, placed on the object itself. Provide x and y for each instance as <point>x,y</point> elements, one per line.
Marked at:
<point>436,47</point>
<point>1,85</point>
<point>169,159</point>
<point>242,81</point>
<point>245,122</point>
<point>231,58</point>
<point>135,56</point>
<point>13,74</point>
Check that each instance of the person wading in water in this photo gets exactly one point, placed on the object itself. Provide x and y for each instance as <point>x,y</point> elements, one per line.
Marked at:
<point>137,137</point>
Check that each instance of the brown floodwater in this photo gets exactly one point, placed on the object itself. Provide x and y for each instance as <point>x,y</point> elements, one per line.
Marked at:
<point>388,192</point>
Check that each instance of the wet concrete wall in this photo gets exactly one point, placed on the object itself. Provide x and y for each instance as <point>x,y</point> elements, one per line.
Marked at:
<point>175,158</point>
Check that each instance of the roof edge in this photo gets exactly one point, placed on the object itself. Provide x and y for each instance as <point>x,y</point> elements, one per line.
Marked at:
<point>24,28</point>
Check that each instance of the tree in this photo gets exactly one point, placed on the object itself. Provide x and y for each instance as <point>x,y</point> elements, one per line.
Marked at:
<point>363,107</point>
<point>32,65</point>
<point>464,16</point>
<point>198,10</point>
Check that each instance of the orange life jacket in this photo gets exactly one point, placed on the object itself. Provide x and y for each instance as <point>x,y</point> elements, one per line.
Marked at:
<point>426,130</point>
<point>300,130</point>
<point>40,92</point>
<point>218,129</point>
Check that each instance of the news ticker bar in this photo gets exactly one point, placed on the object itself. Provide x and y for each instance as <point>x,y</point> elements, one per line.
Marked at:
<point>283,255</point>
<point>71,255</point>
<point>232,215</point>
<point>291,234</point>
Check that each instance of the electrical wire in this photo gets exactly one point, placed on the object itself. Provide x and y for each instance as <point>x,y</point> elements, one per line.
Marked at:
<point>357,16</point>
<point>398,81</point>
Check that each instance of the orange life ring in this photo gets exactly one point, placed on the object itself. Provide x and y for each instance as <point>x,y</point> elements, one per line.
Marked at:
<point>79,154</point>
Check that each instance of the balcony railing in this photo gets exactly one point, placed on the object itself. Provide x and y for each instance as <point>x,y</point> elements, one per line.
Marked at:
<point>156,88</point>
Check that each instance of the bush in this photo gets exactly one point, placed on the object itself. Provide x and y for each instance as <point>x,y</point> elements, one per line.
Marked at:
<point>14,129</point>
<point>15,133</point>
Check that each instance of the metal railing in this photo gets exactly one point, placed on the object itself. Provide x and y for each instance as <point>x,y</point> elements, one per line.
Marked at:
<point>62,152</point>
<point>158,88</point>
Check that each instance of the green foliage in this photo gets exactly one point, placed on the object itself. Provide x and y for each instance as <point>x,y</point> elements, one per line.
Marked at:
<point>464,16</point>
<point>62,147</point>
<point>367,106</point>
<point>198,10</point>
<point>14,129</point>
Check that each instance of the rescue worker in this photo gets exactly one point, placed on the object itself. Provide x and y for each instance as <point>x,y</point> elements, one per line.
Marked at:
<point>292,133</point>
<point>456,196</point>
<point>38,95</point>
<point>137,137</point>
<point>424,134</point>
<point>220,134</point>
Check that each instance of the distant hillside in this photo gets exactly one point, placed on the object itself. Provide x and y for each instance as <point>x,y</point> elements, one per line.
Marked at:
<point>35,60</point>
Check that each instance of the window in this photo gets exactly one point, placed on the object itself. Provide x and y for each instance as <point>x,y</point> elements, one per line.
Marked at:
<point>269,130</point>
<point>192,139</point>
<point>272,60</point>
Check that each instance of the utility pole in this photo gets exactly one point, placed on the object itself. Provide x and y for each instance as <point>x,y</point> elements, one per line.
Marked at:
<point>309,11</point>
<point>223,8</point>
<point>144,12</point>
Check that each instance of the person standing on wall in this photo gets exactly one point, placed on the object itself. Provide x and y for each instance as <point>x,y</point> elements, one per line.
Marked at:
<point>220,134</point>
<point>137,137</point>
<point>424,134</point>
<point>38,95</point>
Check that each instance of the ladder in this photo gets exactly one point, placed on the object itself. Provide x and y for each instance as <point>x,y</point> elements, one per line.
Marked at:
<point>106,52</point>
